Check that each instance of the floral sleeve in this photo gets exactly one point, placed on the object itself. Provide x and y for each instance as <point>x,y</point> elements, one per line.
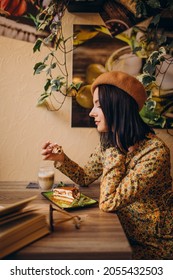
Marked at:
<point>147,170</point>
<point>113,173</point>
<point>86,175</point>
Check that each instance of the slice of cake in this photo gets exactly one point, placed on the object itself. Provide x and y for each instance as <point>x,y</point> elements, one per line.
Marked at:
<point>66,193</point>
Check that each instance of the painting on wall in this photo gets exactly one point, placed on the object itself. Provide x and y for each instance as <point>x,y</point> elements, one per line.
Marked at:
<point>16,19</point>
<point>100,48</point>
<point>97,52</point>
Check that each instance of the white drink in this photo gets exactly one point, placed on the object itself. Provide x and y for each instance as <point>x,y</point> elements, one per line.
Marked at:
<point>46,177</point>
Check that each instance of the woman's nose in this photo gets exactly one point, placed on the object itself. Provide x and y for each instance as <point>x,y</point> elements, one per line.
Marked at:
<point>91,114</point>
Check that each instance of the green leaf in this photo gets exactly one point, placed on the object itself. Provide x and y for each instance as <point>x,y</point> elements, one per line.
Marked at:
<point>55,26</point>
<point>46,58</point>
<point>141,9</point>
<point>42,98</point>
<point>150,105</point>
<point>162,39</point>
<point>33,18</point>
<point>147,80</point>
<point>154,3</point>
<point>149,68</point>
<point>39,67</point>
<point>76,86</point>
<point>47,85</point>
<point>37,45</point>
<point>137,49</point>
<point>52,66</point>
<point>57,84</point>
<point>49,39</point>
<point>156,19</point>
<point>151,117</point>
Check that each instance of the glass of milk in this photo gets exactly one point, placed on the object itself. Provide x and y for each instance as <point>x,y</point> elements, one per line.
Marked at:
<point>46,177</point>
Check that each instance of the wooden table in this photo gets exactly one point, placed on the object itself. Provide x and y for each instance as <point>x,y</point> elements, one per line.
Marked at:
<point>100,235</point>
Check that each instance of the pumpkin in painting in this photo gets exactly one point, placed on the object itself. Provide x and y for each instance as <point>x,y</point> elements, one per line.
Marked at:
<point>15,7</point>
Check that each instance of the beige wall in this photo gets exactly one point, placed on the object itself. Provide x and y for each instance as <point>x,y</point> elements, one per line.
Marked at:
<point>25,127</point>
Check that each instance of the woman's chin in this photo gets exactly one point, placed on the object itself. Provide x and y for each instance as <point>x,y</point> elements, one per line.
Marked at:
<point>99,129</point>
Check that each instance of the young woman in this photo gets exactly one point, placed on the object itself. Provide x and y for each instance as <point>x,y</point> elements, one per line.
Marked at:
<point>134,165</point>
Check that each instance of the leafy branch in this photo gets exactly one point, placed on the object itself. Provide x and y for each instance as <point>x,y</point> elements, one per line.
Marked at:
<point>155,48</point>
<point>157,107</point>
<point>50,19</point>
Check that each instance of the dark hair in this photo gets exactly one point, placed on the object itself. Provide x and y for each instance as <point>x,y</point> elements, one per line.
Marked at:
<point>125,125</point>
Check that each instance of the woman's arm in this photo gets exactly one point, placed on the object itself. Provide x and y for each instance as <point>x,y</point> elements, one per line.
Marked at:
<point>86,175</point>
<point>118,189</point>
<point>113,172</point>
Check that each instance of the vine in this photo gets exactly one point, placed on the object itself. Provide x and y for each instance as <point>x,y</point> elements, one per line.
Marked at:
<point>50,19</point>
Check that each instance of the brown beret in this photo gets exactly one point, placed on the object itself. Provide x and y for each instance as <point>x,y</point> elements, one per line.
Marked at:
<point>125,82</point>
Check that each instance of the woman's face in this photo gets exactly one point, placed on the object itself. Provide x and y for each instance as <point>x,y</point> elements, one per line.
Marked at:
<point>97,114</point>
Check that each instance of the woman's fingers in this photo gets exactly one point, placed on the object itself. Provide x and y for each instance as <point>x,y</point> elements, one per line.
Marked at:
<point>48,143</point>
<point>46,157</point>
<point>45,152</point>
<point>51,151</point>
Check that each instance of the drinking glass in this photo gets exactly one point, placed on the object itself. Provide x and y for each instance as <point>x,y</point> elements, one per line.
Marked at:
<point>46,177</point>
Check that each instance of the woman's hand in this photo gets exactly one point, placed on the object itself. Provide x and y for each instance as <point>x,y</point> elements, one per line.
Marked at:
<point>52,151</point>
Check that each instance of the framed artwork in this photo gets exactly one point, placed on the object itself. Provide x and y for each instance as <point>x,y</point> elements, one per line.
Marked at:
<point>94,47</point>
<point>99,48</point>
<point>90,58</point>
<point>100,52</point>
<point>16,20</point>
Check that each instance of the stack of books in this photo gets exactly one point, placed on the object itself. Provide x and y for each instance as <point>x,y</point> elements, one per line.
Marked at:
<point>19,226</point>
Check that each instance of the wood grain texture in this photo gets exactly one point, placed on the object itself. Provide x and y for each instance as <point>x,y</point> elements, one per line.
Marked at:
<point>100,236</point>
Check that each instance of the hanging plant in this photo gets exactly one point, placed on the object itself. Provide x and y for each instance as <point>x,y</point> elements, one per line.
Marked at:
<point>152,46</point>
<point>158,110</point>
<point>56,87</point>
<point>155,48</point>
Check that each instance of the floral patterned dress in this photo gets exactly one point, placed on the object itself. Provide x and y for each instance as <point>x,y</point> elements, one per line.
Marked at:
<point>137,187</point>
